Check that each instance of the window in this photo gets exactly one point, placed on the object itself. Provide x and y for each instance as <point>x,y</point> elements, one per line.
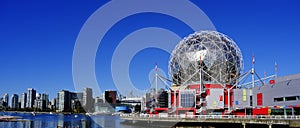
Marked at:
<point>292,98</point>
<point>187,99</point>
<point>251,101</point>
<point>280,99</point>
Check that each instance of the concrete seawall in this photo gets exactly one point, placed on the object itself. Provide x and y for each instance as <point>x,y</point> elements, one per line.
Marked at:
<point>243,121</point>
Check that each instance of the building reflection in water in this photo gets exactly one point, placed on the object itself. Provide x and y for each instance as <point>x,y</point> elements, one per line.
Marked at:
<point>105,121</point>
<point>63,121</point>
<point>72,122</point>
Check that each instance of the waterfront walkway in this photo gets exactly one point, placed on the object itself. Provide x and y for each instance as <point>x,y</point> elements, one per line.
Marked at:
<point>290,121</point>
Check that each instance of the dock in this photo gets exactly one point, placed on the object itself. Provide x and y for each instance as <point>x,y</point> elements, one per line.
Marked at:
<point>244,121</point>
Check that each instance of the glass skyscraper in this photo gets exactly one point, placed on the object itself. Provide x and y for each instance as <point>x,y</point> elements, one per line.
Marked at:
<point>5,100</point>
<point>87,100</point>
<point>23,100</point>
<point>15,101</point>
<point>63,101</point>
<point>31,96</point>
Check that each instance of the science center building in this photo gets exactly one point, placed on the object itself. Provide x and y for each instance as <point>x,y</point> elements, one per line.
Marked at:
<point>206,70</point>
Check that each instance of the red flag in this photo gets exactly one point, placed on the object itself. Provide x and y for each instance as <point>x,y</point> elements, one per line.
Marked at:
<point>272,82</point>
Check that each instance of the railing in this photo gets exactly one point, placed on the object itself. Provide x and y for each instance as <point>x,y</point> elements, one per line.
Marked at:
<point>177,117</point>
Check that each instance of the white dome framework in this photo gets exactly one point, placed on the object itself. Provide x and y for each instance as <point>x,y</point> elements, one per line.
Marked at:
<point>215,53</point>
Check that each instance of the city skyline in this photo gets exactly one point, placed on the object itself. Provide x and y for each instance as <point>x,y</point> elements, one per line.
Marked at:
<point>37,41</point>
<point>33,99</point>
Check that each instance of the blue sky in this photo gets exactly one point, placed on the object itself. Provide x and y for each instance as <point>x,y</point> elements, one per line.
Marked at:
<point>37,39</point>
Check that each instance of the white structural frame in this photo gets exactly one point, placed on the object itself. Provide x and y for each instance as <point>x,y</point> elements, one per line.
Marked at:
<point>211,51</point>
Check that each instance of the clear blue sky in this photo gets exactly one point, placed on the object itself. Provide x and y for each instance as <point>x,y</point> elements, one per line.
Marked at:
<point>37,38</point>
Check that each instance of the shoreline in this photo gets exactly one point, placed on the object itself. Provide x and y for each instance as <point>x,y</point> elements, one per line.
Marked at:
<point>65,113</point>
<point>12,119</point>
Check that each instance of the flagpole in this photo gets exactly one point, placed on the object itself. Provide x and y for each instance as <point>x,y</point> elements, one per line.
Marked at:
<point>156,91</point>
<point>265,76</point>
<point>200,83</point>
<point>253,82</point>
<point>200,75</point>
<point>276,69</point>
<point>253,71</point>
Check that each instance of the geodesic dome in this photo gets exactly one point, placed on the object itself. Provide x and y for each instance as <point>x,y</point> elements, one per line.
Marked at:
<point>218,57</point>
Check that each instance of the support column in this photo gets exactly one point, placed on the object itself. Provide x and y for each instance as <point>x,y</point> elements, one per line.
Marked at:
<point>285,114</point>
<point>270,125</point>
<point>244,125</point>
<point>228,93</point>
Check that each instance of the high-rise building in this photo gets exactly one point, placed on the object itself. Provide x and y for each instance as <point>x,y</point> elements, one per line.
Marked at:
<point>5,100</point>
<point>1,103</point>
<point>41,101</point>
<point>45,98</point>
<point>40,104</point>
<point>110,96</point>
<point>63,101</point>
<point>76,95</point>
<point>53,103</point>
<point>23,100</point>
<point>31,96</point>
<point>15,101</point>
<point>76,100</point>
<point>87,99</point>
<point>99,100</point>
